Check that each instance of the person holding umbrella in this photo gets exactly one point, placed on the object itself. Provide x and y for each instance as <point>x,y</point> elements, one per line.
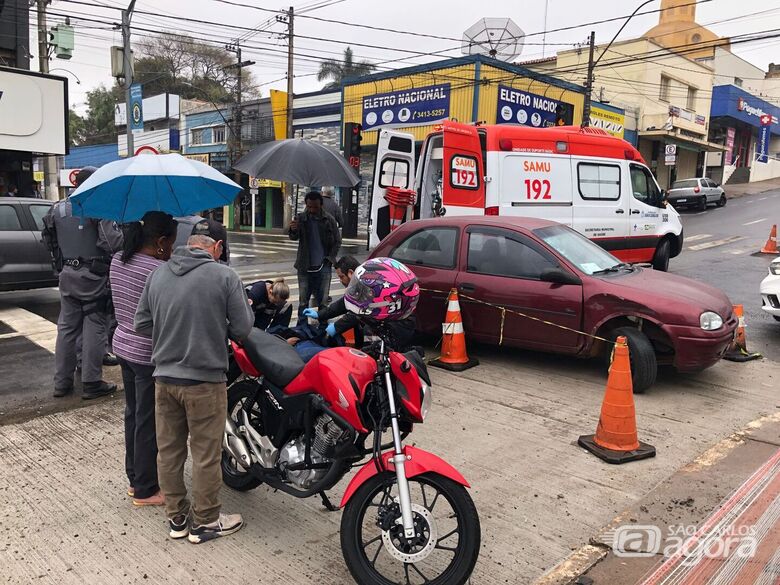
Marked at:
<point>319,241</point>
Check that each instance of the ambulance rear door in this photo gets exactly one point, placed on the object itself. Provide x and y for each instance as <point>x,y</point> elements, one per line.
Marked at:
<point>394,168</point>
<point>463,189</point>
<point>601,207</point>
<point>535,184</point>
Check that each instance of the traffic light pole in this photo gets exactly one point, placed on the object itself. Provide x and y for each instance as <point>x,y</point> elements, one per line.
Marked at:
<point>288,190</point>
<point>589,82</point>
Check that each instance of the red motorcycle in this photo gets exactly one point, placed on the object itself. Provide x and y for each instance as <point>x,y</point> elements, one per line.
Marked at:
<point>300,428</point>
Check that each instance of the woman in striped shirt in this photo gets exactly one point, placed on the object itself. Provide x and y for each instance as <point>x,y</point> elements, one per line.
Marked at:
<point>148,243</point>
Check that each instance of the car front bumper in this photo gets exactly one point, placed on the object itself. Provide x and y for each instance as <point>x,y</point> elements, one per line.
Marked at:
<point>696,349</point>
<point>770,294</point>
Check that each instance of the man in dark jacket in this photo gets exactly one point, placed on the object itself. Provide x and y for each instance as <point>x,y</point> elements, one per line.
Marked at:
<point>319,242</point>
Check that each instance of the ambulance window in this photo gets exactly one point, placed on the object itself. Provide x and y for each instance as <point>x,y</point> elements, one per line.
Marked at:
<point>429,247</point>
<point>644,187</point>
<point>464,172</point>
<point>600,182</point>
<point>399,144</point>
<point>395,173</point>
<point>500,255</point>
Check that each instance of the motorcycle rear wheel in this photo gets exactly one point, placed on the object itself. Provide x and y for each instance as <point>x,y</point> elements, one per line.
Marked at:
<point>233,475</point>
<point>369,557</point>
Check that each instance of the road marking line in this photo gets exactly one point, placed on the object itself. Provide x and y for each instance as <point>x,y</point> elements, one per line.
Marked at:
<point>697,237</point>
<point>761,198</point>
<point>716,243</point>
<point>40,331</point>
<point>751,201</point>
<point>753,222</point>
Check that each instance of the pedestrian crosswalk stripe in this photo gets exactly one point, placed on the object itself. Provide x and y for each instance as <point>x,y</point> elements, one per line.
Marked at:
<point>40,331</point>
<point>716,243</point>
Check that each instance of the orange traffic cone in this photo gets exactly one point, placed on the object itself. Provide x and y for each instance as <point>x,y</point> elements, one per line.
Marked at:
<point>453,345</point>
<point>771,244</point>
<point>616,438</point>
<point>738,351</point>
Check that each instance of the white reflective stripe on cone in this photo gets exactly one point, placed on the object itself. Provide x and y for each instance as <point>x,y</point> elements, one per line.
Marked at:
<point>742,321</point>
<point>453,306</point>
<point>451,328</point>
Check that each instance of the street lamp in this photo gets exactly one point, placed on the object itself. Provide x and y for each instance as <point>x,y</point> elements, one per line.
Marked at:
<point>78,81</point>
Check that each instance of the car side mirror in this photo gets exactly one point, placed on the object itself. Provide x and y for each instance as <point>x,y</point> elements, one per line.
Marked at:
<point>559,276</point>
<point>664,195</point>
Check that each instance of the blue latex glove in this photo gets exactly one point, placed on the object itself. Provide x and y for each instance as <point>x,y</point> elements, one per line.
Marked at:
<point>330,330</point>
<point>311,313</point>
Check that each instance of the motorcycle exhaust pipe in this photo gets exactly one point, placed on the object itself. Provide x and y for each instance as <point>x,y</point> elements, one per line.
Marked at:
<point>235,445</point>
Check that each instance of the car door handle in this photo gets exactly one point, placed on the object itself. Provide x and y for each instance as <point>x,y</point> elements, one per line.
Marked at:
<point>635,212</point>
<point>619,211</point>
<point>467,287</point>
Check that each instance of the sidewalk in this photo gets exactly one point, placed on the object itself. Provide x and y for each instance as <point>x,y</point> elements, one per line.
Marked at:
<point>742,189</point>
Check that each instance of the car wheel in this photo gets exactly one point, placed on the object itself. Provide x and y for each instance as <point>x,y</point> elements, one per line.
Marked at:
<point>661,256</point>
<point>722,200</point>
<point>703,203</point>
<point>644,366</point>
<point>776,318</point>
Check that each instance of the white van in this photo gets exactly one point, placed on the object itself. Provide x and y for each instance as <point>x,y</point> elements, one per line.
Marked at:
<point>581,177</point>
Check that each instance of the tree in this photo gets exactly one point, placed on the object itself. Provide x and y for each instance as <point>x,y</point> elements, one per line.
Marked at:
<point>339,70</point>
<point>97,125</point>
<point>179,64</point>
<point>75,128</point>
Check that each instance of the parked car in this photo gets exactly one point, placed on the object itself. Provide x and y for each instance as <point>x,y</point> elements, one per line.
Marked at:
<point>549,271</point>
<point>25,262</point>
<point>770,290</point>
<point>696,193</point>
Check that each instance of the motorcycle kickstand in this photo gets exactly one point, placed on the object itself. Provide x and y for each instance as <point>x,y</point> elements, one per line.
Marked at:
<point>327,503</point>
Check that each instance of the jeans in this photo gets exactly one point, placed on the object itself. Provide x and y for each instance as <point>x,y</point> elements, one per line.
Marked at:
<point>140,436</point>
<point>316,284</point>
<point>199,411</point>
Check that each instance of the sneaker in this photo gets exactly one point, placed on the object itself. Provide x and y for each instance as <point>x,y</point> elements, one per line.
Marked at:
<point>157,499</point>
<point>131,491</point>
<point>179,525</point>
<point>60,392</point>
<point>94,390</point>
<point>226,524</point>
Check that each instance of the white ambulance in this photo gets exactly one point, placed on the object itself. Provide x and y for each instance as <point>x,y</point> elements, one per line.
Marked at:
<point>582,177</point>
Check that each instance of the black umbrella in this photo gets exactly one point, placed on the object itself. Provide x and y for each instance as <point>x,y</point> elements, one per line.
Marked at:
<point>299,161</point>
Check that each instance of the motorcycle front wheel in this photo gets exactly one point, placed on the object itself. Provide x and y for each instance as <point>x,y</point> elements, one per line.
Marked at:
<point>447,540</point>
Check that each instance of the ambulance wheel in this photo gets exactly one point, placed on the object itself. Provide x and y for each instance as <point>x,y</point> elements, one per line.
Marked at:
<point>661,256</point>
<point>644,366</point>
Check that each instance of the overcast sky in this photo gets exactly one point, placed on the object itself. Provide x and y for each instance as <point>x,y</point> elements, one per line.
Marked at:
<point>433,17</point>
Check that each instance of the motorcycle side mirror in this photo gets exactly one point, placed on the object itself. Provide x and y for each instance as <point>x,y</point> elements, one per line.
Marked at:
<point>559,276</point>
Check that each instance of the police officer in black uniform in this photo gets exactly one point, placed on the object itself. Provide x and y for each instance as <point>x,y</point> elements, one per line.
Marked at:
<point>82,250</point>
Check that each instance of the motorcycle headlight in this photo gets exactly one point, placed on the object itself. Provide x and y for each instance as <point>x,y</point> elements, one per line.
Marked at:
<point>710,321</point>
<point>774,268</point>
<point>427,400</point>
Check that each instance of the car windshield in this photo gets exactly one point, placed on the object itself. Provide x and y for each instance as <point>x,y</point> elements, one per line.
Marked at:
<point>577,249</point>
<point>690,183</point>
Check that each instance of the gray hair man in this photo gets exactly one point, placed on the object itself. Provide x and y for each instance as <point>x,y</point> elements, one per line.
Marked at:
<point>190,306</point>
<point>330,205</point>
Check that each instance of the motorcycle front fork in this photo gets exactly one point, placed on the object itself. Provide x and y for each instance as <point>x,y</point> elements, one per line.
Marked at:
<point>399,460</point>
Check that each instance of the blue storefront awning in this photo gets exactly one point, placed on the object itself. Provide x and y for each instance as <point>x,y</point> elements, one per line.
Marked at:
<point>734,102</point>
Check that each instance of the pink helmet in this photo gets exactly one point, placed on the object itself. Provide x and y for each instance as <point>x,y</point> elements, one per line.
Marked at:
<point>382,288</point>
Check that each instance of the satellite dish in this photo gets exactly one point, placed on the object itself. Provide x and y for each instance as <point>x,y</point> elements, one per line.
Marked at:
<point>499,38</point>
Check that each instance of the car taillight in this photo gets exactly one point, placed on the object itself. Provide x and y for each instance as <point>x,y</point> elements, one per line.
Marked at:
<point>491,210</point>
<point>696,189</point>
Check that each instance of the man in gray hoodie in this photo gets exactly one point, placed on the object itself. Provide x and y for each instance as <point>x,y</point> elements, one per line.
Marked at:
<point>190,306</point>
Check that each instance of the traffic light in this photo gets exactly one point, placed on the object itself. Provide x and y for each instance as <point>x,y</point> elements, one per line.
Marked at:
<point>564,114</point>
<point>352,139</point>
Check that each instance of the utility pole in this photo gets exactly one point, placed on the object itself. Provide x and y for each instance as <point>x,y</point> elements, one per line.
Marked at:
<point>128,71</point>
<point>589,82</point>
<point>51,189</point>
<point>288,210</point>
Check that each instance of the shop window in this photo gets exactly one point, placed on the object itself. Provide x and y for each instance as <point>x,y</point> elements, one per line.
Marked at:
<point>738,82</point>
<point>691,103</point>
<point>597,181</point>
<point>664,92</point>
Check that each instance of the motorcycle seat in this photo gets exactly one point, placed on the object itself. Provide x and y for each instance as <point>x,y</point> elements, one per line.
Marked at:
<point>273,357</point>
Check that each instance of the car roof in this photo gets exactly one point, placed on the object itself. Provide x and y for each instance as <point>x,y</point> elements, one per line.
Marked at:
<point>529,223</point>
<point>24,200</point>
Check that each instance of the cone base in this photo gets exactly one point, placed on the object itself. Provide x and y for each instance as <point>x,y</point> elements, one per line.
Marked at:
<point>459,367</point>
<point>588,442</point>
<point>738,356</point>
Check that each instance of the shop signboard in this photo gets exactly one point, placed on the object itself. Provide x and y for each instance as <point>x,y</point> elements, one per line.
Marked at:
<point>730,134</point>
<point>607,120</point>
<point>529,109</point>
<point>405,108</point>
<point>203,157</point>
<point>762,146</point>
<point>136,108</point>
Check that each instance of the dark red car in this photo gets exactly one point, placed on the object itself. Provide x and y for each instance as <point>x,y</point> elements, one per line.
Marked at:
<point>549,271</point>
